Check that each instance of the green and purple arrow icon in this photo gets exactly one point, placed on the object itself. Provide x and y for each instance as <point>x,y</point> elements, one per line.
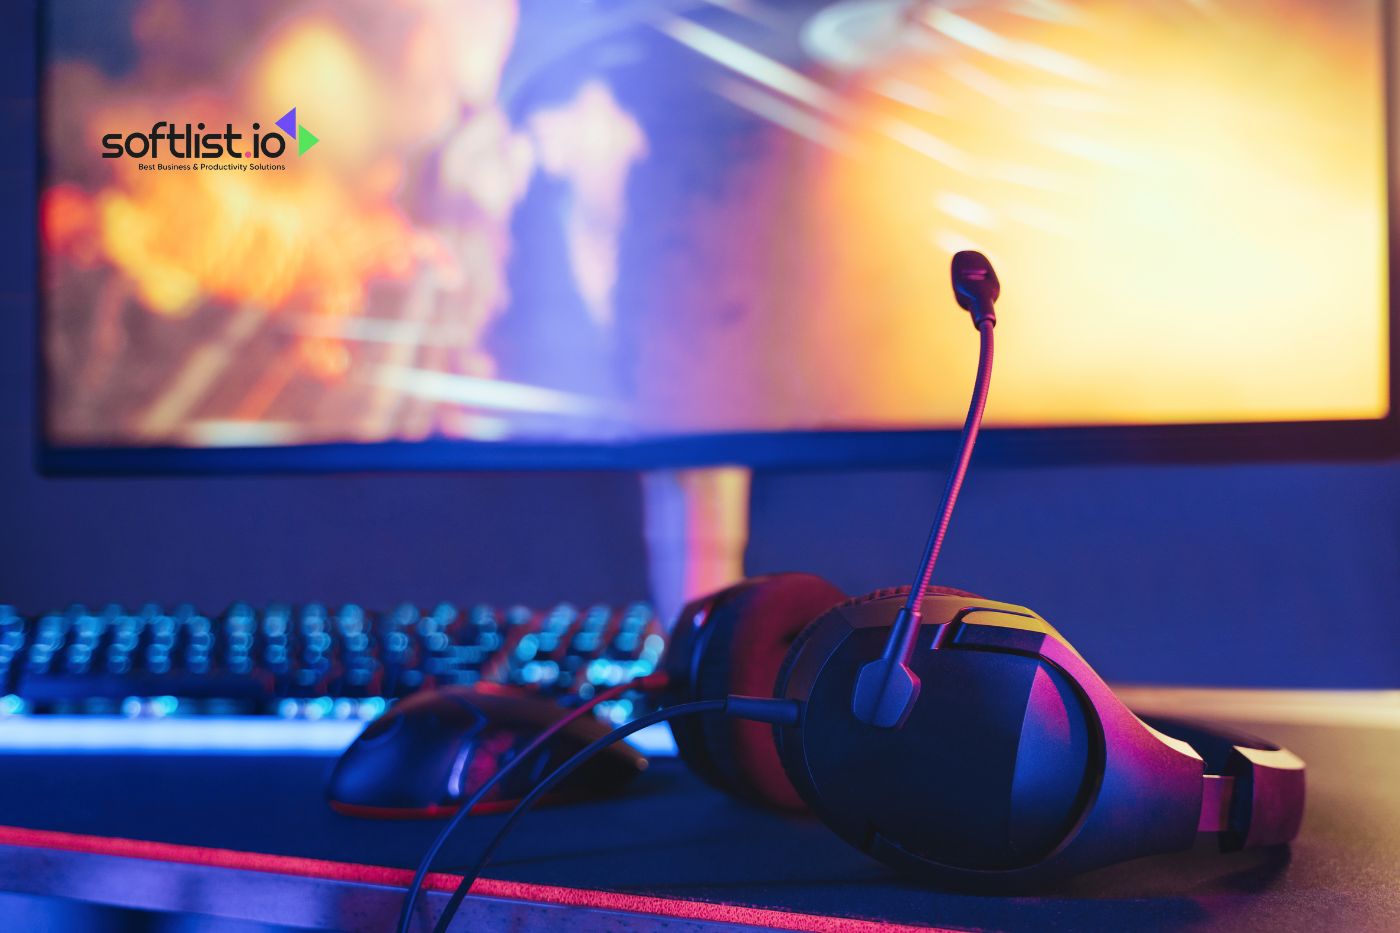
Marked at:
<point>304,137</point>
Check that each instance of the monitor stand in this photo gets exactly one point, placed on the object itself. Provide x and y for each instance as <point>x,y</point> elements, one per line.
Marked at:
<point>696,529</point>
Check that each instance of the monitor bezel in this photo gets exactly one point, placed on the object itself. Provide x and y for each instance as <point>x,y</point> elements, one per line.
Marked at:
<point>1229,442</point>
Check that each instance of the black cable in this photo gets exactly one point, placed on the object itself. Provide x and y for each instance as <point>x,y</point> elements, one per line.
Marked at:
<point>650,682</point>
<point>559,773</point>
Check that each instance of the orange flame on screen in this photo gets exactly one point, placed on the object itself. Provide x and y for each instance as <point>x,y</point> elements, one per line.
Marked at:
<point>269,241</point>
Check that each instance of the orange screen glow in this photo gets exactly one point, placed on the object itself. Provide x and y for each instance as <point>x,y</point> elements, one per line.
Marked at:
<point>491,223</point>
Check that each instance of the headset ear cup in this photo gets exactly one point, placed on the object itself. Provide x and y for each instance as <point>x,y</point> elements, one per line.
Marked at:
<point>686,651</point>
<point>795,649</point>
<point>737,647</point>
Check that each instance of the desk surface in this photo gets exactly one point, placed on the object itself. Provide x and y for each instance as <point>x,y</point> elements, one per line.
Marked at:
<point>677,848</point>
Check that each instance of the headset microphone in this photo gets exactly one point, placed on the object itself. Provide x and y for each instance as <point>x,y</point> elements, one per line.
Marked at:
<point>887,688</point>
<point>975,286</point>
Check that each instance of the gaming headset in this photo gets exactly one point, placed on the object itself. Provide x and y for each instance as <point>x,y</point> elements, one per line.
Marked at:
<point>952,736</point>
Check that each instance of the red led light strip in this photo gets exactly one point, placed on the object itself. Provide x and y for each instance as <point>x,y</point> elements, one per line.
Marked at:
<point>440,881</point>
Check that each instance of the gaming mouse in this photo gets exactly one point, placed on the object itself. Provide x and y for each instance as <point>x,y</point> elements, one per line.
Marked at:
<point>433,749</point>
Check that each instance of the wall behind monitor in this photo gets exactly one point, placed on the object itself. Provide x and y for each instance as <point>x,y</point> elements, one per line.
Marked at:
<point>1245,574</point>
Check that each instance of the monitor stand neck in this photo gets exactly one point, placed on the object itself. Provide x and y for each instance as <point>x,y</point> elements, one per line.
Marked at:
<point>696,528</point>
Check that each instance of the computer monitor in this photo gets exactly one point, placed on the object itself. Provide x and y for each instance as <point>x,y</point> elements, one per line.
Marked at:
<point>287,234</point>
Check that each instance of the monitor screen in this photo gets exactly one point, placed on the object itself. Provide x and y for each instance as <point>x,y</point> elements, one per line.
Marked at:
<point>565,225</point>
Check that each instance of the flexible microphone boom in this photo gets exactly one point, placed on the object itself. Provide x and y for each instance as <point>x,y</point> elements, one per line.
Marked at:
<point>886,688</point>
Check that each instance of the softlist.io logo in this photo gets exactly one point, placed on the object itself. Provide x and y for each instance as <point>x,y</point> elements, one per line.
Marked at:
<point>204,149</point>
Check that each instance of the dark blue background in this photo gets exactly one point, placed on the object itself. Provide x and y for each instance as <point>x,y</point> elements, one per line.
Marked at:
<point>1247,574</point>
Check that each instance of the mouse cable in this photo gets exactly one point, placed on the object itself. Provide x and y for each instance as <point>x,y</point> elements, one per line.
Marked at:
<point>648,683</point>
<point>759,709</point>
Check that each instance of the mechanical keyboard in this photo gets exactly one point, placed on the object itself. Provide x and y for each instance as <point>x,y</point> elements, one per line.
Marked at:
<point>310,662</point>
